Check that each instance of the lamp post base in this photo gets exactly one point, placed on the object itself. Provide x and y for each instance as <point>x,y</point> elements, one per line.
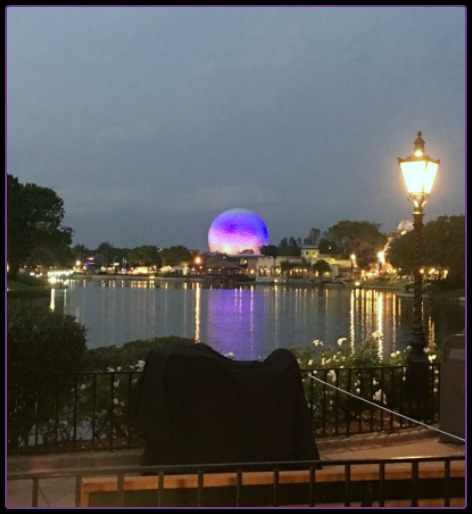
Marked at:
<point>418,381</point>
<point>417,393</point>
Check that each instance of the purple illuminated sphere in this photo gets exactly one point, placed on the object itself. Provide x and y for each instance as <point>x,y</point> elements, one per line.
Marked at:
<point>237,231</point>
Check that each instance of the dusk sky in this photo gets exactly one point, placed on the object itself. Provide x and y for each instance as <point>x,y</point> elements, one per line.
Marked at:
<point>151,121</point>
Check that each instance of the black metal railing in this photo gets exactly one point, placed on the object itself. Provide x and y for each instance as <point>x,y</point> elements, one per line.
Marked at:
<point>346,401</point>
<point>91,410</point>
<point>409,481</point>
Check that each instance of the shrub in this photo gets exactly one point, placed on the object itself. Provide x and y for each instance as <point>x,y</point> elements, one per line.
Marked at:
<point>128,355</point>
<point>362,371</point>
<point>40,343</point>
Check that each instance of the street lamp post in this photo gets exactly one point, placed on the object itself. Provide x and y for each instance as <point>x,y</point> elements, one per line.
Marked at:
<point>419,172</point>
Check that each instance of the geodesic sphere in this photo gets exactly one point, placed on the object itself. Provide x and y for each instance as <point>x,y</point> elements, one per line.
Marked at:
<point>237,231</point>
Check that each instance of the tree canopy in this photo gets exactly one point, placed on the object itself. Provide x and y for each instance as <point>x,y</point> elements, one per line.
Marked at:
<point>176,255</point>
<point>145,255</point>
<point>313,237</point>
<point>361,238</point>
<point>443,245</point>
<point>35,234</point>
<point>289,247</point>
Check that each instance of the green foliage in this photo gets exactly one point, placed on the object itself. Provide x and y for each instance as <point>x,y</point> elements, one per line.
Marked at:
<point>321,266</point>
<point>443,245</point>
<point>289,247</point>
<point>362,238</point>
<point>145,255</point>
<point>40,344</point>
<point>128,355</point>
<point>313,236</point>
<point>366,354</point>
<point>362,371</point>
<point>175,255</point>
<point>269,250</point>
<point>17,291</point>
<point>35,230</point>
<point>92,405</point>
<point>26,286</point>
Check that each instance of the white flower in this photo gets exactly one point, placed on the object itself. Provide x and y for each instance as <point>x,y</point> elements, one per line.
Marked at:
<point>140,365</point>
<point>310,362</point>
<point>341,340</point>
<point>118,368</point>
<point>82,387</point>
<point>378,396</point>
<point>377,335</point>
<point>116,383</point>
<point>110,369</point>
<point>432,357</point>
<point>317,342</point>
<point>230,355</point>
<point>115,401</point>
<point>332,375</point>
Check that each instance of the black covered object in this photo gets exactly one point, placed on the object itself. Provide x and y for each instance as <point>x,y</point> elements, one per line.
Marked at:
<point>195,406</point>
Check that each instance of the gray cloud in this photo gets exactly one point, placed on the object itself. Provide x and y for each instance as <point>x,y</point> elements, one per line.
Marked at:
<point>143,117</point>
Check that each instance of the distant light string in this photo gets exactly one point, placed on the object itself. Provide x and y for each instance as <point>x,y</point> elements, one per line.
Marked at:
<point>385,409</point>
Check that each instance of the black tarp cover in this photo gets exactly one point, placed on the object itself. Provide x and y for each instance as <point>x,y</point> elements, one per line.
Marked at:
<point>195,406</point>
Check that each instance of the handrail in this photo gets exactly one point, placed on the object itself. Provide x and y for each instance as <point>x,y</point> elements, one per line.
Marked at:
<point>445,476</point>
<point>429,427</point>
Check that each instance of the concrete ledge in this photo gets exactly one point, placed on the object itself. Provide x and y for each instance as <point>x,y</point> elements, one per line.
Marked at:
<point>105,458</point>
<point>375,439</point>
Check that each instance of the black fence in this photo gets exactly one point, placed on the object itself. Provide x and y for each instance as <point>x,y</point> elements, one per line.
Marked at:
<point>401,482</point>
<point>91,410</point>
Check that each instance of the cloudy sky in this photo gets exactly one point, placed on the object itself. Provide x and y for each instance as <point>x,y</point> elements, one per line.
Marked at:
<point>150,121</point>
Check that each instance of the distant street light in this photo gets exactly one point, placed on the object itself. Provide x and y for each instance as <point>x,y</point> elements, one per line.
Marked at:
<point>353,263</point>
<point>419,172</point>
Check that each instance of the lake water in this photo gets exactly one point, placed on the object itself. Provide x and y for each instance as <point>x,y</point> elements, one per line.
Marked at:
<point>250,321</point>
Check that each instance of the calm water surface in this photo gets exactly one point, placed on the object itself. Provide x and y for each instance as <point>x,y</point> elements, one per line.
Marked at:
<point>249,321</point>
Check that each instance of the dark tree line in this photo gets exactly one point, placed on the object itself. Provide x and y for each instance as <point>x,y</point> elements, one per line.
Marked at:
<point>36,236</point>
<point>361,238</point>
<point>35,233</point>
<point>443,245</point>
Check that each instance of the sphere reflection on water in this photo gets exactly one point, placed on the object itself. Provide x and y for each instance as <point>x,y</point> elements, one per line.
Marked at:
<point>249,321</point>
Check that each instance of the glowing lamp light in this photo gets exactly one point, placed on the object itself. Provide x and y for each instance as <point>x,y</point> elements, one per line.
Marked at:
<point>419,172</point>
<point>237,231</point>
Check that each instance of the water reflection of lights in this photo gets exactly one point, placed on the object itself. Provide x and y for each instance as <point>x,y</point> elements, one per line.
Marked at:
<point>431,332</point>
<point>197,312</point>
<point>248,321</point>
<point>56,295</point>
<point>379,314</point>
<point>367,316</point>
<point>52,304</point>
<point>352,320</point>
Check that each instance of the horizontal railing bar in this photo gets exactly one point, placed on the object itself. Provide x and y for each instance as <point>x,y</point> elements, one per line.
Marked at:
<point>229,467</point>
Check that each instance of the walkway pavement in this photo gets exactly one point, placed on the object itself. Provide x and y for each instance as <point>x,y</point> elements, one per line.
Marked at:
<point>59,492</point>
